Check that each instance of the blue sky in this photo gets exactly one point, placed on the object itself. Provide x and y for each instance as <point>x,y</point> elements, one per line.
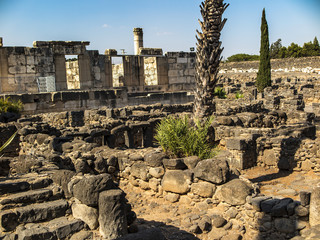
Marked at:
<point>168,24</point>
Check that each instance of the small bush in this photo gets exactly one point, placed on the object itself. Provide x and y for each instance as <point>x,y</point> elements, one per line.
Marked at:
<point>7,105</point>
<point>220,93</point>
<point>179,137</point>
<point>239,94</point>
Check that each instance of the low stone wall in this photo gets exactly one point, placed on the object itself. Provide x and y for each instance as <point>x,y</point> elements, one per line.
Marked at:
<point>286,64</point>
<point>81,100</point>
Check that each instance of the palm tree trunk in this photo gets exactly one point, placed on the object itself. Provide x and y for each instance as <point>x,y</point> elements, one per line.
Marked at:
<point>208,56</point>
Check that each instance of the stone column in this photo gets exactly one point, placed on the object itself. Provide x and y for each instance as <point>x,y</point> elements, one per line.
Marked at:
<point>1,43</point>
<point>131,68</point>
<point>61,77</point>
<point>85,72</point>
<point>112,214</point>
<point>162,70</point>
<point>138,40</point>
<point>314,218</point>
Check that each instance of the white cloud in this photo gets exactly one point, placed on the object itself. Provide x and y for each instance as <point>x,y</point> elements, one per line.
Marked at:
<point>105,25</point>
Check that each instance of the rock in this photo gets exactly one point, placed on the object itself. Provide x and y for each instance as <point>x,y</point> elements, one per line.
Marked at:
<point>83,235</point>
<point>195,229</point>
<point>176,181</point>
<point>154,159</point>
<point>217,233</point>
<point>314,216</point>
<point>301,211</point>
<point>87,214</point>
<point>280,209</point>
<point>112,214</point>
<point>174,164</point>
<point>172,197</point>
<point>140,171</point>
<point>87,189</point>
<point>285,225</point>
<point>218,221</point>
<point>235,192</point>
<point>4,166</point>
<point>100,165</point>
<point>154,184</point>
<point>305,198</point>
<point>205,224</point>
<point>62,178</point>
<point>256,202</point>
<point>81,166</point>
<point>203,189</point>
<point>211,170</point>
<point>269,157</point>
<point>267,205</point>
<point>191,162</point>
<point>157,172</point>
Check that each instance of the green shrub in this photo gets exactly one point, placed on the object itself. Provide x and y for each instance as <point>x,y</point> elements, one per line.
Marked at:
<point>239,94</point>
<point>7,105</point>
<point>179,137</point>
<point>220,93</point>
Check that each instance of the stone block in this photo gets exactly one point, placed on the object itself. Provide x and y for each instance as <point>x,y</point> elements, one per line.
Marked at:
<point>87,189</point>
<point>177,181</point>
<point>85,213</point>
<point>212,170</point>
<point>112,214</point>
<point>236,144</point>
<point>203,189</point>
<point>314,217</point>
<point>235,192</point>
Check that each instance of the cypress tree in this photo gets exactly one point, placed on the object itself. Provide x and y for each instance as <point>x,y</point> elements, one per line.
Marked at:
<point>264,73</point>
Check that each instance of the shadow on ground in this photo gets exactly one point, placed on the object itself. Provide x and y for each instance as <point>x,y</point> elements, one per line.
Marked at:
<point>158,231</point>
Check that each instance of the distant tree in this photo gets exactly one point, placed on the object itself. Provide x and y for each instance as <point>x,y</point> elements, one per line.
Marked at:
<point>283,52</point>
<point>243,57</point>
<point>264,73</point>
<point>316,46</point>
<point>294,50</point>
<point>275,49</point>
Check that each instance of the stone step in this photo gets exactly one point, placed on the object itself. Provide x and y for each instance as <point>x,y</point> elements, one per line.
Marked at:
<point>28,197</point>
<point>58,228</point>
<point>10,219</point>
<point>8,186</point>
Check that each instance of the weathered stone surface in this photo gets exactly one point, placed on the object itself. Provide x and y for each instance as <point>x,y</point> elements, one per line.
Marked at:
<point>280,209</point>
<point>156,172</point>
<point>88,188</point>
<point>176,181</point>
<point>211,170</point>
<point>4,166</point>
<point>62,178</point>
<point>140,171</point>
<point>174,164</point>
<point>235,192</point>
<point>87,214</point>
<point>203,189</point>
<point>305,198</point>
<point>36,234</point>
<point>314,217</point>
<point>301,211</point>
<point>83,235</point>
<point>269,157</point>
<point>63,228</point>
<point>112,214</point>
<point>191,162</point>
<point>285,225</point>
<point>154,159</point>
<point>172,197</point>
<point>218,221</point>
<point>10,187</point>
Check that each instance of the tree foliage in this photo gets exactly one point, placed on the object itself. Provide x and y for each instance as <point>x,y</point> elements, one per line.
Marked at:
<point>242,57</point>
<point>264,73</point>
<point>308,49</point>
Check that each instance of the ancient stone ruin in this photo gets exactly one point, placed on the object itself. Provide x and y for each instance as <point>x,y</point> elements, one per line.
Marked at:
<point>85,164</point>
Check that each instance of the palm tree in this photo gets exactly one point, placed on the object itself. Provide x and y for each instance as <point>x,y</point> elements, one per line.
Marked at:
<point>208,56</point>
